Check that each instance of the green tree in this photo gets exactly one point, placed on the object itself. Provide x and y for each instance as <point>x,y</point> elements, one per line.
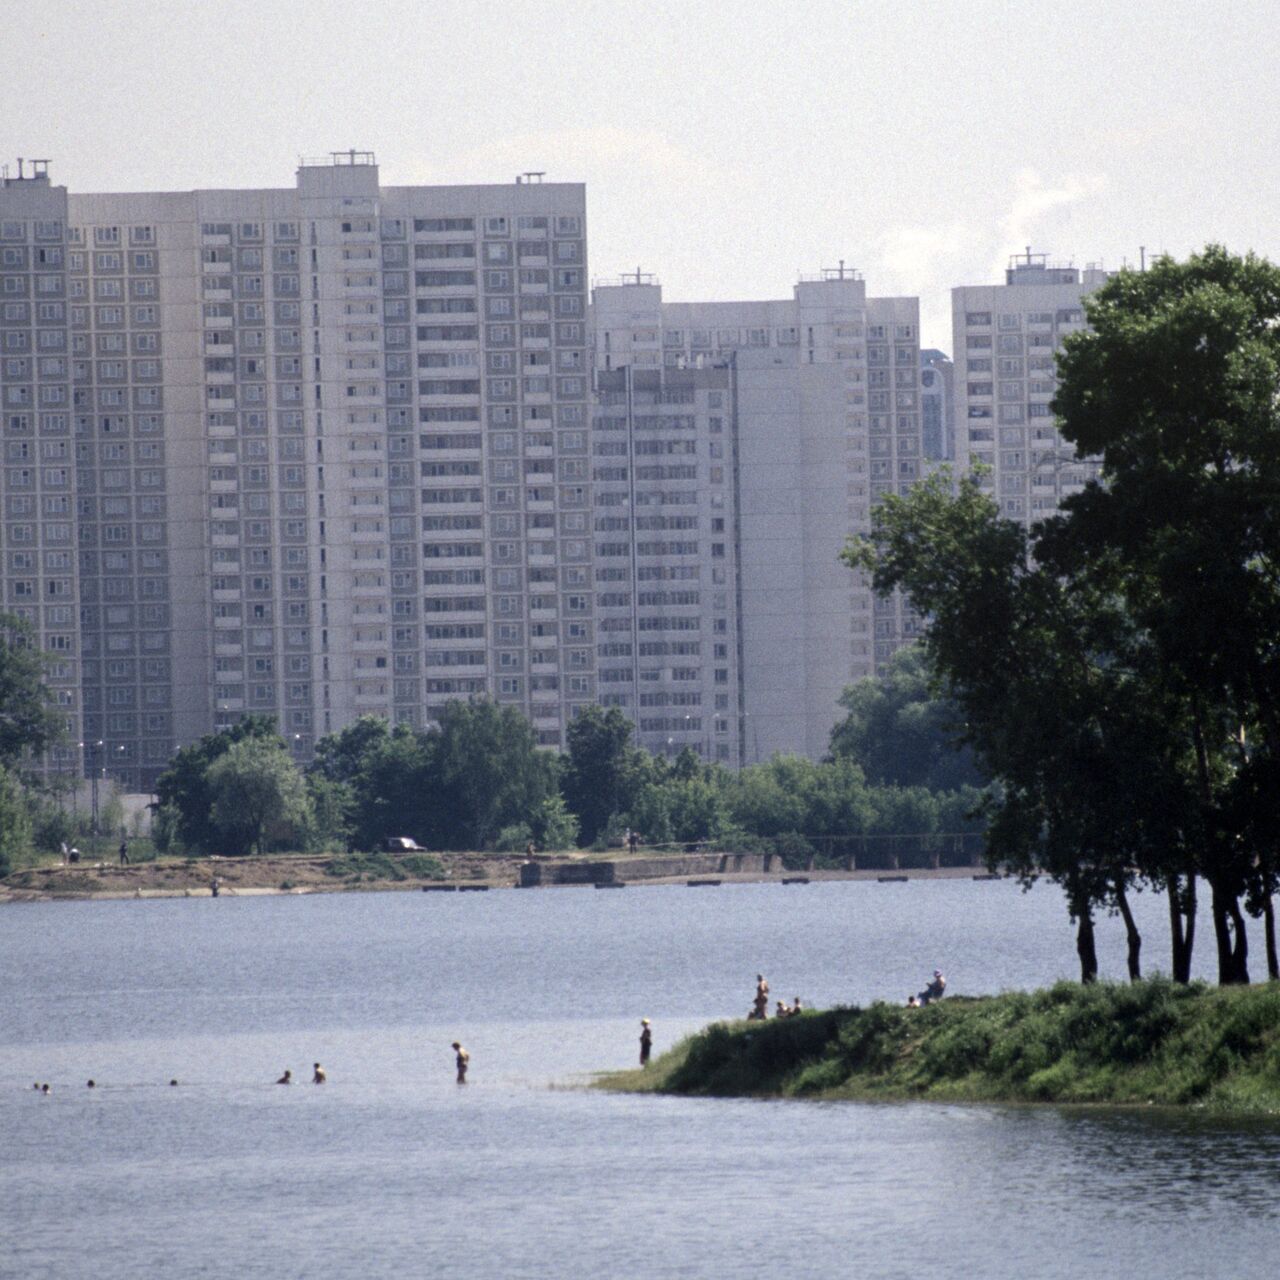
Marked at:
<point>553,827</point>
<point>485,771</point>
<point>182,790</point>
<point>1058,693</point>
<point>341,756</point>
<point>393,790</point>
<point>901,732</point>
<point>29,722</point>
<point>15,823</point>
<point>1175,387</point>
<point>256,791</point>
<point>331,805</point>
<point>603,770</point>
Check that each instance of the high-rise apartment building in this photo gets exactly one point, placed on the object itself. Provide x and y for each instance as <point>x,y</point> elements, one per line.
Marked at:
<point>1005,339</point>
<point>822,415</point>
<point>315,452</point>
<point>666,572</point>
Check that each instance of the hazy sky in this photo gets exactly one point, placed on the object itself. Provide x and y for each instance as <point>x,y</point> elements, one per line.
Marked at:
<point>726,146</point>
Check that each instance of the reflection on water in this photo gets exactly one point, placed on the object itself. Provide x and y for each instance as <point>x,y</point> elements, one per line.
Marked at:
<point>391,1169</point>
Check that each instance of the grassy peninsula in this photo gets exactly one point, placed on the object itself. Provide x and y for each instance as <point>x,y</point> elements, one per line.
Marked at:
<point>1152,1042</point>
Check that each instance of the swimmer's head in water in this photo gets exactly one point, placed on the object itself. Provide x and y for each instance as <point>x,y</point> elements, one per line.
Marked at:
<point>91,1085</point>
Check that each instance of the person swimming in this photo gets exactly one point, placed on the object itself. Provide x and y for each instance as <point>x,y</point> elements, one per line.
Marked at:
<point>287,1078</point>
<point>44,1088</point>
<point>463,1061</point>
<point>91,1085</point>
<point>319,1077</point>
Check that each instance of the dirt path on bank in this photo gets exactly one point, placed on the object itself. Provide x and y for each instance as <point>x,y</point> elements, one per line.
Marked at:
<point>314,873</point>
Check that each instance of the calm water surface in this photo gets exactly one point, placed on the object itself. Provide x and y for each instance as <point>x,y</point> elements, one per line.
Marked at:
<point>391,1169</point>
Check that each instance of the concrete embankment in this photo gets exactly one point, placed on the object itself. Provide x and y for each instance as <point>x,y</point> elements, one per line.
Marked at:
<point>313,873</point>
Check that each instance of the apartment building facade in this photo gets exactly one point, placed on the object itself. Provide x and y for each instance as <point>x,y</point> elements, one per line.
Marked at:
<point>824,416</point>
<point>314,452</point>
<point>666,580</point>
<point>1006,339</point>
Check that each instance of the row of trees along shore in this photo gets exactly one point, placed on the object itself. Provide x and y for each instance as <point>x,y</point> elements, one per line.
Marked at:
<point>1116,671</point>
<point>477,780</point>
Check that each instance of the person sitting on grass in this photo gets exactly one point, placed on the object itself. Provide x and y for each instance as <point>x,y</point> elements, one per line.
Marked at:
<point>934,990</point>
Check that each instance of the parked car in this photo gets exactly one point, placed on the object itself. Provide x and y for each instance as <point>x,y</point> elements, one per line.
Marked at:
<point>403,844</point>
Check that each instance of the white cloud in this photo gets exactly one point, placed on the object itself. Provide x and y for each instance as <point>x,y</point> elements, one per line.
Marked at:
<point>1033,201</point>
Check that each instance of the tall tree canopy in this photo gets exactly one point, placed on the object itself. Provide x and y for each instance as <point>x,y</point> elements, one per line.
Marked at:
<point>29,721</point>
<point>183,793</point>
<point>255,788</point>
<point>1177,387</point>
<point>603,770</point>
<point>901,731</point>
<point>1119,673</point>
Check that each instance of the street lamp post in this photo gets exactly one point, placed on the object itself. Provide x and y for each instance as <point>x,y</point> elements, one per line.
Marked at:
<point>93,794</point>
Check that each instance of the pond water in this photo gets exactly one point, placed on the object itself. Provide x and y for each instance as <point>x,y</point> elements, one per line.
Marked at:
<point>392,1169</point>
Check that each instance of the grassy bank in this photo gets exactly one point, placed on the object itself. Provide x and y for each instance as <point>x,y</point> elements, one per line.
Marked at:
<point>1153,1042</point>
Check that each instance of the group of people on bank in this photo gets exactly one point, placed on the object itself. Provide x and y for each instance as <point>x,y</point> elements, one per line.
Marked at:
<point>760,1005</point>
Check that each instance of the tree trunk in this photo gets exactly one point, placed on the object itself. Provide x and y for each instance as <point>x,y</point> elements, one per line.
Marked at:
<point>1182,925</point>
<point>1189,914</point>
<point>1240,952</point>
<point>1132,934</point>
<point>1086,946</point>
<point>1269,917</point>
<point>1229,932</point>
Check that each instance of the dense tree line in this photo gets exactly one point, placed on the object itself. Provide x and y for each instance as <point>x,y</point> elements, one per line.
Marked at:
<point>1117,670</point>
<point>477,780</point>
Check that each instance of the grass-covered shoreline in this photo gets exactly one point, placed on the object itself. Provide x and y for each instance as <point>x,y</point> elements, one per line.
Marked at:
<point>1152,1042</point>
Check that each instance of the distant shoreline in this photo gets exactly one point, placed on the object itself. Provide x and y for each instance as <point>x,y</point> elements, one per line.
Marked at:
<point>281,874</point>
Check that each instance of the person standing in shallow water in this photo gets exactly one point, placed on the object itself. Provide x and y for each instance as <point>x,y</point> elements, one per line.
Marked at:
<point>646,1041</point>
<point>319,1077</point>
<point>463,1060</point>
